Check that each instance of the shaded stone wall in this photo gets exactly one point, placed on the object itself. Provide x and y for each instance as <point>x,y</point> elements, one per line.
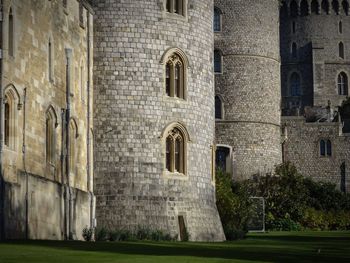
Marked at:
<point>132,110</point>
<point>249,84</point>
<point>36,23</point>
<point>302,148</point>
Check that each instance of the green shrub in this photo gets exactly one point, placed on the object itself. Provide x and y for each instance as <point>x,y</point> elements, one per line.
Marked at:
<point>101,234</point>
<point>88,232</point>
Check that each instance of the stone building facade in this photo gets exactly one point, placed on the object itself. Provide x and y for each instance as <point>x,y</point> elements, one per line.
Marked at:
<point>46,103</point>
<point>154,117</point>
<point>247,86</point>
<point>315,72</point>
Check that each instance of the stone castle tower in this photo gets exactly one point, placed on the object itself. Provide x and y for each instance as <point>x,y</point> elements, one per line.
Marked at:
<point>247,81</point>
<point>315,72</point>
<point>154,117</point>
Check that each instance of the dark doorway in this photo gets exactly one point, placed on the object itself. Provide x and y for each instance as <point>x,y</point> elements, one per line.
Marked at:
<point>222,155</point>
<point>182,227</point>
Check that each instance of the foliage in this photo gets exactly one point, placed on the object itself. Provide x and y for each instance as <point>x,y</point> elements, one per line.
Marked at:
<point>233,204</point>
<point>139,234</point>
<point>88,232</point>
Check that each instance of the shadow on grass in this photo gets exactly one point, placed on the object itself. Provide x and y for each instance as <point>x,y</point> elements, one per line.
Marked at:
<point>257,248</point>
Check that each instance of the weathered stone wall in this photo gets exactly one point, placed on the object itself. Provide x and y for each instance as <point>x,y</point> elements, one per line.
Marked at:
<point>318,63</point>
<point>132,110</point>
<point>249,84</point>
<point>302,148</point>
<point>36,23</point>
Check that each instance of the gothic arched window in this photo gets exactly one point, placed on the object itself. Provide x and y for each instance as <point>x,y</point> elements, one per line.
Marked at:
<point>342,84</point>
<point>295,85</point>
<point>7,124</point>
<point>175,150</point>
<point>51,123</point>
<point>175,75</point>
<point>11,105</point>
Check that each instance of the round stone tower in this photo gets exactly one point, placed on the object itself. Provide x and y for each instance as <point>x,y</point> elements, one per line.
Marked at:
<point>154,117</point>
<point>315,56</point>
<point>248,85</point>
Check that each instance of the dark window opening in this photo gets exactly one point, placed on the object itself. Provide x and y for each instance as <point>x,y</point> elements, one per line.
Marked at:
<point>295,85</point>
<point>293,9</point>
<point>325,6</point>
<point>343,177</point>
<point>294,50</point>
<point>345,5</point>
<point>314,7</point>
<point>217,20</point>
<point>335,6</point>
<point>325,148</point>
<point>342,84</point>
<point>341,27</point>
<point>217,61</point>
<point>293,27</point>
<point>222,158</point>
<point>7,124</point>
<point>304,8</point>
<point>218,108</point>
<point>341,50</point>
<point>182,229</point>
<point>11,34</point>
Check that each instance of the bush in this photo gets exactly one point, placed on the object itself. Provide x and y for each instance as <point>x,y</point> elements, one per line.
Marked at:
<point>233,204</point>
<point>101,234</point>
<point>88,233</point>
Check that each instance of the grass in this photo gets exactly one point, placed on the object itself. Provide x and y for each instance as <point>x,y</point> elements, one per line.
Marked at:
<point>271,247</point>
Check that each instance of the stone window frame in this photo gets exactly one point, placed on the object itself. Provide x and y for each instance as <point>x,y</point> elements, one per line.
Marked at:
<point>51,124</point>
<point>325,148</point>
<point>221,107</point>
<point>342,81</point>
<point>167,133</point>
<point>175,56</point>
<point>217,15</point>
<point>170,11</point>
<point>12,99</point>
<point>218,52</point>
<point>73,143</point>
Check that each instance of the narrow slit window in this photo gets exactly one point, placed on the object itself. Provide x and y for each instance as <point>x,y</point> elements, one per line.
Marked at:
<point>341,50</point>
<point>217,61</point>
<point>342,84</point>
<point>217,20</point>
<point>11,34</point>
<point>341,27</point>
<point>7,123</point>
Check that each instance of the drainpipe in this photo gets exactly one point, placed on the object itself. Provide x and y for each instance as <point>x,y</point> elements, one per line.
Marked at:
<point>2,181</point>
<point>67,119</point>
<point>89,185</point>
<point>24,162</point>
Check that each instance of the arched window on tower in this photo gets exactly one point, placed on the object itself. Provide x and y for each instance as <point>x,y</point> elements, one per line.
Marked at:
<point>218,108</point>
<point>11,34</point>
<point>335,6</point>
<point>304,8</point>
<point>51,123</point>
<point>341,50</point>
<point>217,19</point>
<point>217,61</point>
<point>11,105</point>
<point>295,84</point>
<point>325,6</point>
<point>294,50</point>
<point>340,27</point>
<point>345,5</point>
<point>315,7</point>
<point>342,84</point>
<point>293,9</point>
<point>175,74</point>
<point>7,124</point>
<point>175,150</point>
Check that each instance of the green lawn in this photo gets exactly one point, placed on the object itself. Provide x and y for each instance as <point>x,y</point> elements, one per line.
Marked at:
<point>296,247</point>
